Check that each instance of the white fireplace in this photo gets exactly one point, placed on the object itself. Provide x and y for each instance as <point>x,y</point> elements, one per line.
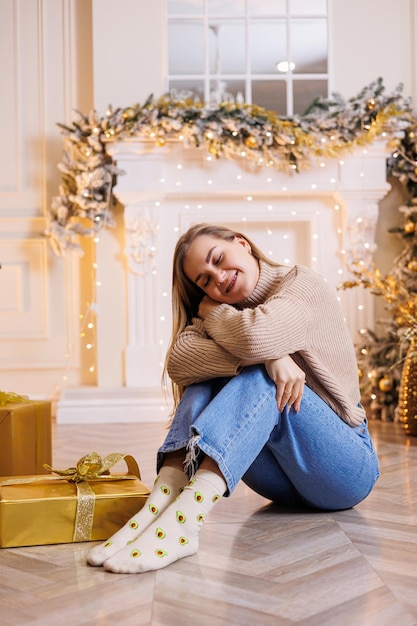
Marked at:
<point>319,217</point>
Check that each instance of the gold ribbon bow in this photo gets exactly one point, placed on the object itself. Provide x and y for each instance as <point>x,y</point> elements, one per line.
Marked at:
<point>9,397</point>
<point>91,467</point>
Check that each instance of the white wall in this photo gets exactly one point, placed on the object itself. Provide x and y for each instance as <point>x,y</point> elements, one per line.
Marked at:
<point>60,55</point>
<point>373,38</point>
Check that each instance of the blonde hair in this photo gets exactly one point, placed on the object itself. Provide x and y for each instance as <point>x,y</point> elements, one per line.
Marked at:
<point>186,296</point>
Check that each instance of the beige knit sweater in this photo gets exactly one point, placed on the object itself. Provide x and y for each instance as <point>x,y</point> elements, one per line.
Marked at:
<point>291,311</point>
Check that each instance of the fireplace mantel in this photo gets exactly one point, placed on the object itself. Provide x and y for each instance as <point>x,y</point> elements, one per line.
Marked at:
<point>319,217</point>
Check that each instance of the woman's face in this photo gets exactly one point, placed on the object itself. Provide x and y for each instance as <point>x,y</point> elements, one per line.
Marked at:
<point>225,270</point>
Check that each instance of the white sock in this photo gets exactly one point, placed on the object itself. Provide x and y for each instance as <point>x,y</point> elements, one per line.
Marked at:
<point>166,488</point>
<point>175,533</point>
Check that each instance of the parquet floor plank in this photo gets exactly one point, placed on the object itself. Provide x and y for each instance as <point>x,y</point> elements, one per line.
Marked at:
<point>258,564</point>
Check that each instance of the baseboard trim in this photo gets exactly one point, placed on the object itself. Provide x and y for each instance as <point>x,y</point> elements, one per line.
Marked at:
<point>87,405</point>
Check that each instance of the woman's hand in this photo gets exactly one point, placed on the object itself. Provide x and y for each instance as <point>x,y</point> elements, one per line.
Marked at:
<point>206,306</point>
<point>289,380</point>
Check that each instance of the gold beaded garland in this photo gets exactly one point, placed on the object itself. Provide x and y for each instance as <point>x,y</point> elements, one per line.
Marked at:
<point>407,396</point>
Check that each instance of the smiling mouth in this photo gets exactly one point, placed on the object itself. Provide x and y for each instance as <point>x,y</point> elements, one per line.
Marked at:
<point>231,284</point>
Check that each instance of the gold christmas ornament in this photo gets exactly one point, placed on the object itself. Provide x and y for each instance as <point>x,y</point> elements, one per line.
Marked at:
<point>371,104</point>
<point>409,226</point>
<point>412,265</point>
<point>385,384</point>
<point>160,142</point>
<point>251,142</point>
<point>129,114</point>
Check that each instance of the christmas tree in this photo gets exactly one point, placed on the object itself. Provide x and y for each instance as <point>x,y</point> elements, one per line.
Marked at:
<point>382,355</point>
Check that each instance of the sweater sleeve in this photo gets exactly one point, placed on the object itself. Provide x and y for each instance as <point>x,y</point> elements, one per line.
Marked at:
<point>268,331</point>
<point>196,357</point>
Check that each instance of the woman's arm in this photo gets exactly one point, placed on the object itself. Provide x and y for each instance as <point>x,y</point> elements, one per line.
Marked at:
<point>196,357</point>
<point>270,330</point>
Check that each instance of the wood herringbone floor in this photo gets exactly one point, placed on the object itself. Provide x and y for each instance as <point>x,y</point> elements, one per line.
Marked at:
<point>257,564</point>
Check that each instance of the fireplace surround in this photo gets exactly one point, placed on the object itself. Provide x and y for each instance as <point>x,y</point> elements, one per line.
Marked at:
<point>321,217</point>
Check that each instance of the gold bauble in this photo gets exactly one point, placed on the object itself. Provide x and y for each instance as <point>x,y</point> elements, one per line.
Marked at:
<point>385,384</point>
<point>129,114</point>
<point>412,265</point>
<point>160,142</point>
<point>409,226</point>
<point>371,103</point>
<point>251,141</point>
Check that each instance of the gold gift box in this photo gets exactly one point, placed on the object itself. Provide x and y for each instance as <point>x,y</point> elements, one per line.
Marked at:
<point>45,511</point>
<point>25,437</point>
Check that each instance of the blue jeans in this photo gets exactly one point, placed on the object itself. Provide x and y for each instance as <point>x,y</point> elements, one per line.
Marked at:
<point>311,456</point>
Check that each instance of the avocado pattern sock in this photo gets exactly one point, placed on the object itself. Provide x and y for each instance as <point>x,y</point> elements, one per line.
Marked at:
<point>166,488</point>
<point>175,533</point>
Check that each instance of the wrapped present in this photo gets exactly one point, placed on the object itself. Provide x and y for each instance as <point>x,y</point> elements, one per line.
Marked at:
<point>25,435</point>
<point>82,503</point>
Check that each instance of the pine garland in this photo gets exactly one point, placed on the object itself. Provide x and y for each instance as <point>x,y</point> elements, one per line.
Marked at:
<point>330,128</point>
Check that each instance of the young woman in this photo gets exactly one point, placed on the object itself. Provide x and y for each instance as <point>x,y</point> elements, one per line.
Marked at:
<point>266,388</point>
